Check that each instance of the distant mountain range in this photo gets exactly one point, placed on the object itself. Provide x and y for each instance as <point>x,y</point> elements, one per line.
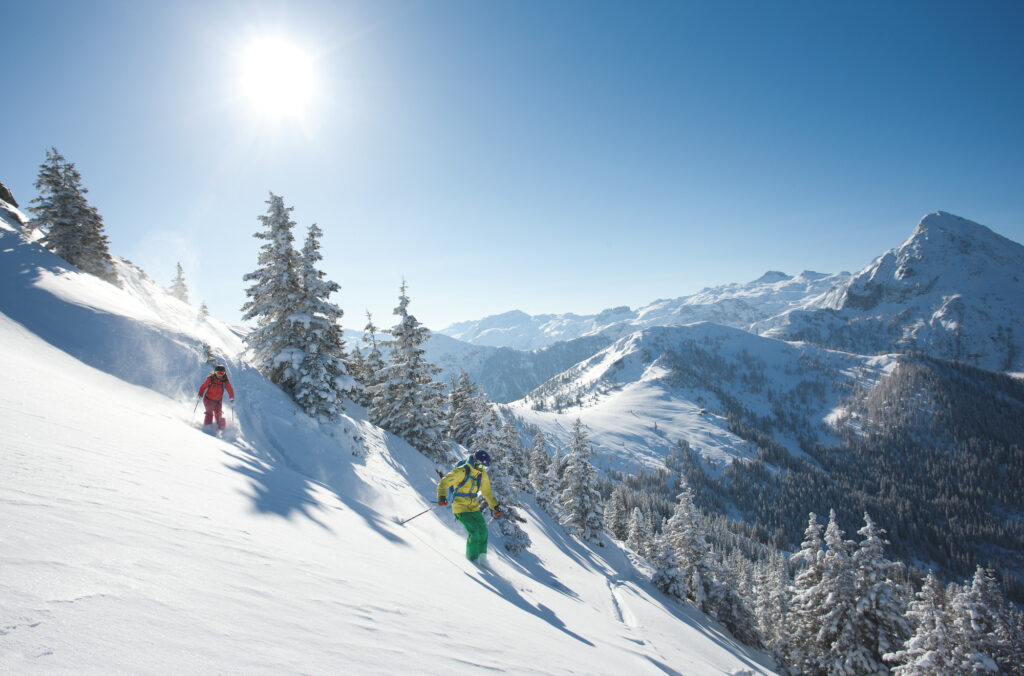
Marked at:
<point>737,305</point>
<point>954,289</point>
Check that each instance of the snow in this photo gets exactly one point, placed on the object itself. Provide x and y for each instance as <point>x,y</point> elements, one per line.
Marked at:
<point>636,409</point>
<point>135,543</point>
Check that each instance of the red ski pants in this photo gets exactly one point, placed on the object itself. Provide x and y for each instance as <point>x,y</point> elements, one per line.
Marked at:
<point>214,409</point>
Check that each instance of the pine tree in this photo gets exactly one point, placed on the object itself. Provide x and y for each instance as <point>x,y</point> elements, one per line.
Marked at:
<point>730,587</point>
<point>929,652</point>
<point>837,640</point>
<point>204,311</point>
<point>808,603</point>
<point>581,497</point>
<point>71,227</point>
<point>540,463</point>
<point>274,298</point>
<point>178,288</point>
<point>686,534</point>
<point>879,620</point>
<point>772,601</point>
<point>357,369</point>
<point>462,411</point>
<point>616,516</point>
<point>640,538</point>
<point>322,377</point>
<point>980,629</point>
<point>556,481</point>
<point>513,459</point>
<point>372,366</point>
<point>667,576</point>
<point>407,402</point>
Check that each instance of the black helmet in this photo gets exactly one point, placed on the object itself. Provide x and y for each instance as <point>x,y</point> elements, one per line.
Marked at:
<point>482,458</point>
<point>219,368</point>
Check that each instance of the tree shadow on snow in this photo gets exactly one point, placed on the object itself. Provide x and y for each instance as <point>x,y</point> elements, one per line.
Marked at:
<point>497,584</point>
<point>278,489</point>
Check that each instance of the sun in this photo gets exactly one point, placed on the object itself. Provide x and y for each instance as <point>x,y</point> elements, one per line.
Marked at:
<point>276,77</point>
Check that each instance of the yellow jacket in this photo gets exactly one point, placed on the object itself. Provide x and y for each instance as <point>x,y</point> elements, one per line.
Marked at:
<point>466,481</point>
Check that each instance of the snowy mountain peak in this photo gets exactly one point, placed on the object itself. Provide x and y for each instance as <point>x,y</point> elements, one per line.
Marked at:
<point>953,289</point>
<point>945,253</point>
<point>772,276</point>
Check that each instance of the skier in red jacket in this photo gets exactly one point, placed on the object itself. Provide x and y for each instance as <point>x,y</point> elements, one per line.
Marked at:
<point>214,387</point>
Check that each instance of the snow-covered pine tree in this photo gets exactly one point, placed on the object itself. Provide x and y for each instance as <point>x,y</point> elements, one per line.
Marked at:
<point>407,402</point>
<point>556,481</point>
<point>838,642</point>
<point>983,633</point>
<point>771,607</point>
<point>515,457</point>
<point>667,576</point>
<point>583,507</point>
<point>879,620</point>
<point>357,369</point>
<point>323,377</point>
<point>616,516</point>
<point>929,652</point>
<point>462,412</point>
<point>373,365</point>
<point>274,296</point>
<point>178,287</point>
<point>71,228</point>
<point>540,463</point>
<point>807,604</point>
<point>687,535</point>
<point>640,538</point>
<point>204,311</point>
<point>728,593</point>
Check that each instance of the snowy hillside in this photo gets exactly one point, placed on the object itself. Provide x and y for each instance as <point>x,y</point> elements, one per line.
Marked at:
<point>954,289</point>
<point>737,305</point>
<point>644,393</point>
<point>135,543</point>
<point>506,374</point>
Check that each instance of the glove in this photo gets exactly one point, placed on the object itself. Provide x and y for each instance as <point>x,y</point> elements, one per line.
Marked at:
<point>232,400</point>
<point>442,502</point>
<point>496,512</point>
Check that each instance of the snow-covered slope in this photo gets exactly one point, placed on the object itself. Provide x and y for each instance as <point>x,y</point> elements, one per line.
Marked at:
<point>954,290</point>
<point>736,305</point>
<point>649,390</point>
<point>503,373</point>
<point>135,543</point>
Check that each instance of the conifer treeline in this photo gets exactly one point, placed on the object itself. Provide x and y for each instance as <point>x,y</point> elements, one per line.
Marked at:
<point>298,345</point>
<point>835,606</point>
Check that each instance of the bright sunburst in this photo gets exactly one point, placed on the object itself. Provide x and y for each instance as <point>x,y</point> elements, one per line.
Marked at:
<point>277,78</point>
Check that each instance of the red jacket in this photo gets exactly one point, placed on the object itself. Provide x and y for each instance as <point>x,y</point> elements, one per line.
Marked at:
<point>214,387</point>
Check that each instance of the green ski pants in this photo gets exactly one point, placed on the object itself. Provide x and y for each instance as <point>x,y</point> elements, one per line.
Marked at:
<point>475,525</point>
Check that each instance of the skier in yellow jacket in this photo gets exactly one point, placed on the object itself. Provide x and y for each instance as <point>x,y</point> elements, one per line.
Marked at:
<point>460,487</point>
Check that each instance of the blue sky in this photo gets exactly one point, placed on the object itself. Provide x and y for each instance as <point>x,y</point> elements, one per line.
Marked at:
<point>543,156</point>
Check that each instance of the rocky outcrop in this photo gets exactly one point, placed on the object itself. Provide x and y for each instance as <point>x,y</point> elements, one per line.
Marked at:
<point>6,196</point>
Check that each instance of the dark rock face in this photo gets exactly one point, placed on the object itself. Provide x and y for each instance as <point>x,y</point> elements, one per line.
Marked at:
<point>6,195</point>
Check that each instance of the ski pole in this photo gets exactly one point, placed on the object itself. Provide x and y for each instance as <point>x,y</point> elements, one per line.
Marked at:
<point>196,407</point>
<point>420,514</point>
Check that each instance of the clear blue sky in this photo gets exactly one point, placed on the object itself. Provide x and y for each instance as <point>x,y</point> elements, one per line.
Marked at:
<point>551,157</point>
